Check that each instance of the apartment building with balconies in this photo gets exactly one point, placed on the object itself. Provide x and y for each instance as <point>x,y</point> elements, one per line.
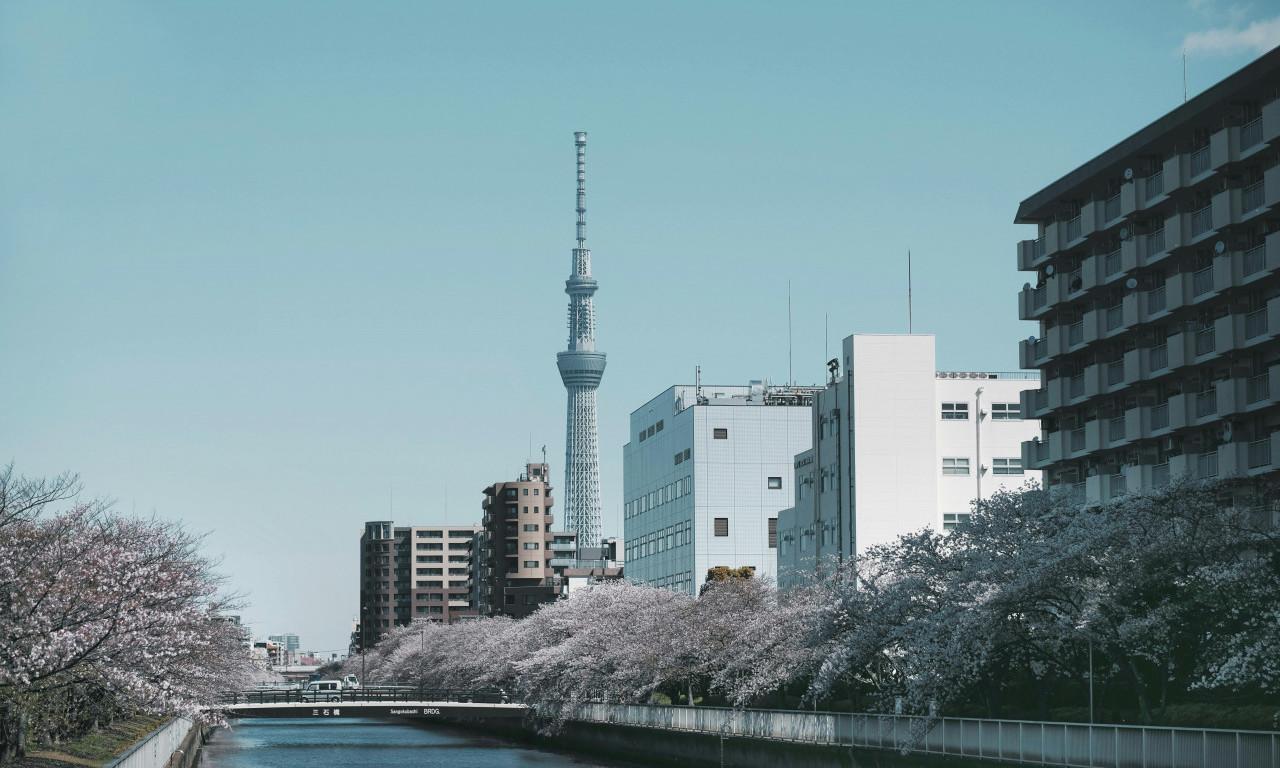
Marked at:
<point>1156,294</point>
<point>412,573</point>
<point>522,560</point>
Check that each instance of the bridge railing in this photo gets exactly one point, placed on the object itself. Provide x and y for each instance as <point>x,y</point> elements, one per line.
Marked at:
<point>370,693</point>
<point>1066,745</point>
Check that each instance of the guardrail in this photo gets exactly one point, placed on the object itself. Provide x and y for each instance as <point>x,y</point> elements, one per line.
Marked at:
<point>1067,745</point>
<point>156,747</point>
<point>370,693</point>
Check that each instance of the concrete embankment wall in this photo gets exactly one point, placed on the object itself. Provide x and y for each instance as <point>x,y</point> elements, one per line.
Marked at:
<point>176,744</point>
<point>650,746</point>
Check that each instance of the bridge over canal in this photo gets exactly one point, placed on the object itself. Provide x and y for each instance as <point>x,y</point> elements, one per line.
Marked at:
<point>386,702</point>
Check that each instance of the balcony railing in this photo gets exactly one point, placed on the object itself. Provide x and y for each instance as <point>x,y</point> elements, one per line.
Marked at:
<point>1154,243</point>
<point>1202,221</point>
<point>1160,475</point>
<point>1039,297</point>
<point>1111,262</point>
<point>1155,184</point>
<point>1200,161</point>
<point>1251,133</point>
<point>1115,373</point>
<point>1117,485</point>
<point>1155,300</point>
<point>1039,349</point>
<point>1205,342</point>
<point>1159,357</point>
<point>1039,399</point>
<point>1075,386</point>
<point>1206,403</point>
<point>1257,389</point>
<point>1037,250</point>
<point>1111,208</point>
<point>1075,333</point>
<point>1252,198</point>
<point>1115,429</point>
<point>1115,317</point>
<point>1255,259</point>
<point>1259,453</point>
<point>1075,281</point>
<point>1207,464</point>
<point>1073,229</point>
<point>1077,440</point>
<point>1160,416</point>
<point>1255,323</point>
<point>1202,281</point>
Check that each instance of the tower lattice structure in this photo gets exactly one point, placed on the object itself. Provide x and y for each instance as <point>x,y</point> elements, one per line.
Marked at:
<point>581,368</point>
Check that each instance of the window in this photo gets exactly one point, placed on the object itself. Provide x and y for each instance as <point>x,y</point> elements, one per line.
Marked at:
<point>722,526</point>
<point>950,522</point>
<point>649,431</point>
<point>1006,466</point>
<point>773,533</point>
<point>511,493</point>
<point>531,545</point>
<point>537,491</point>
<point>671,537</point>
<point>526,491</point>
<point>955,466</point>
<point>429,584</point>
<point>1006,412</point>
<point>531,527</point>
<point>955,411</point>
<point>679,457</point>
<point>536,510</point>
<point>720,433</point>
<point>775,483</point>
<point>428,534</point>
<point>641,439</point>
<point>658,427</point>
<point>688,453</point>
<point>430,571</point>
<point>532,564</point>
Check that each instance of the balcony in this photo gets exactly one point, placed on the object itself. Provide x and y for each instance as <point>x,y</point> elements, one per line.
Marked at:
<point>1114,317</point>
<point>1206,403</point>
<point>1077,440</point>
<point>1207,465</point>
<point>1160,475</point>
<point>1255,324</point>
<point>1260,453</point>
<point>1075,333</point>
<point>1111,208</point>
<point>1202,221</point>
<point>1158,357</point>
<point>1030,253</point>
<point>1257,389</point>
<point>1205,341</point>
<point>563,546</point>
<point>563,562</point>
<point>1159,417</point>
<point>1115,373</point>
<point>1154,186</point>
<point>1201,161</point>
<point>1075,387</point>
<point>1071,230</point>
<point>1202,281</point>
<point>1116,429</point>
<point>1252,198</point>
<point>1251,133</point>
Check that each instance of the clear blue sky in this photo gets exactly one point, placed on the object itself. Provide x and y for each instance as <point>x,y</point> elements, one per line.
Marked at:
<point>263,263</point>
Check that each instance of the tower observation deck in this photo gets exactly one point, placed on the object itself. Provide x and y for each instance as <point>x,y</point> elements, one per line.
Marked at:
<point>581,368</point>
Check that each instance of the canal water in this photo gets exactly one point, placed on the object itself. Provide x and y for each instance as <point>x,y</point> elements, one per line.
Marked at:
<point>357,743</point>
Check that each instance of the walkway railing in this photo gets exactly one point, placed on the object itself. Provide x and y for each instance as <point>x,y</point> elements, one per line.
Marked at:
<point>156,748</point>
<point>1069,745</point>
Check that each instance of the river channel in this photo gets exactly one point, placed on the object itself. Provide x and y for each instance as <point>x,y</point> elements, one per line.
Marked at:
<point>357,743</point>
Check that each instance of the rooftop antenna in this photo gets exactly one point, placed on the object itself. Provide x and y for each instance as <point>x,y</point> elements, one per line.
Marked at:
<point>544,454</point>
<point>790,381</point>
<point>910,325</point>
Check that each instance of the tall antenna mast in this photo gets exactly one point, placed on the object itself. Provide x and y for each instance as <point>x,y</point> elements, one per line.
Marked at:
<point>909,324</point>
<point>790,381</point>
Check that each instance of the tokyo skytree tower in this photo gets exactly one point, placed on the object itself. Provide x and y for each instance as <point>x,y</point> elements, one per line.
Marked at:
<point>581,368</point>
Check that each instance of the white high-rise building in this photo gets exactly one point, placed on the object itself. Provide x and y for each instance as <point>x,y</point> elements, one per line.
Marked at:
<point>704,475</point>
<point>898,446</point>
<point>581,368</point>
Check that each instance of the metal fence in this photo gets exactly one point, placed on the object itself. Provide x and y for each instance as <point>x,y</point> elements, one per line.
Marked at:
<point>1069,745</point>
<point>156,748</point>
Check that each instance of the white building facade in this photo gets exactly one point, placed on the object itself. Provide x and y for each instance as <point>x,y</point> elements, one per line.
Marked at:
<point>896,447</point>
<point>705,474</point>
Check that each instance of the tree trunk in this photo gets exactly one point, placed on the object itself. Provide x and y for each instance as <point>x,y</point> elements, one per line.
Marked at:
<point>689,691</point>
